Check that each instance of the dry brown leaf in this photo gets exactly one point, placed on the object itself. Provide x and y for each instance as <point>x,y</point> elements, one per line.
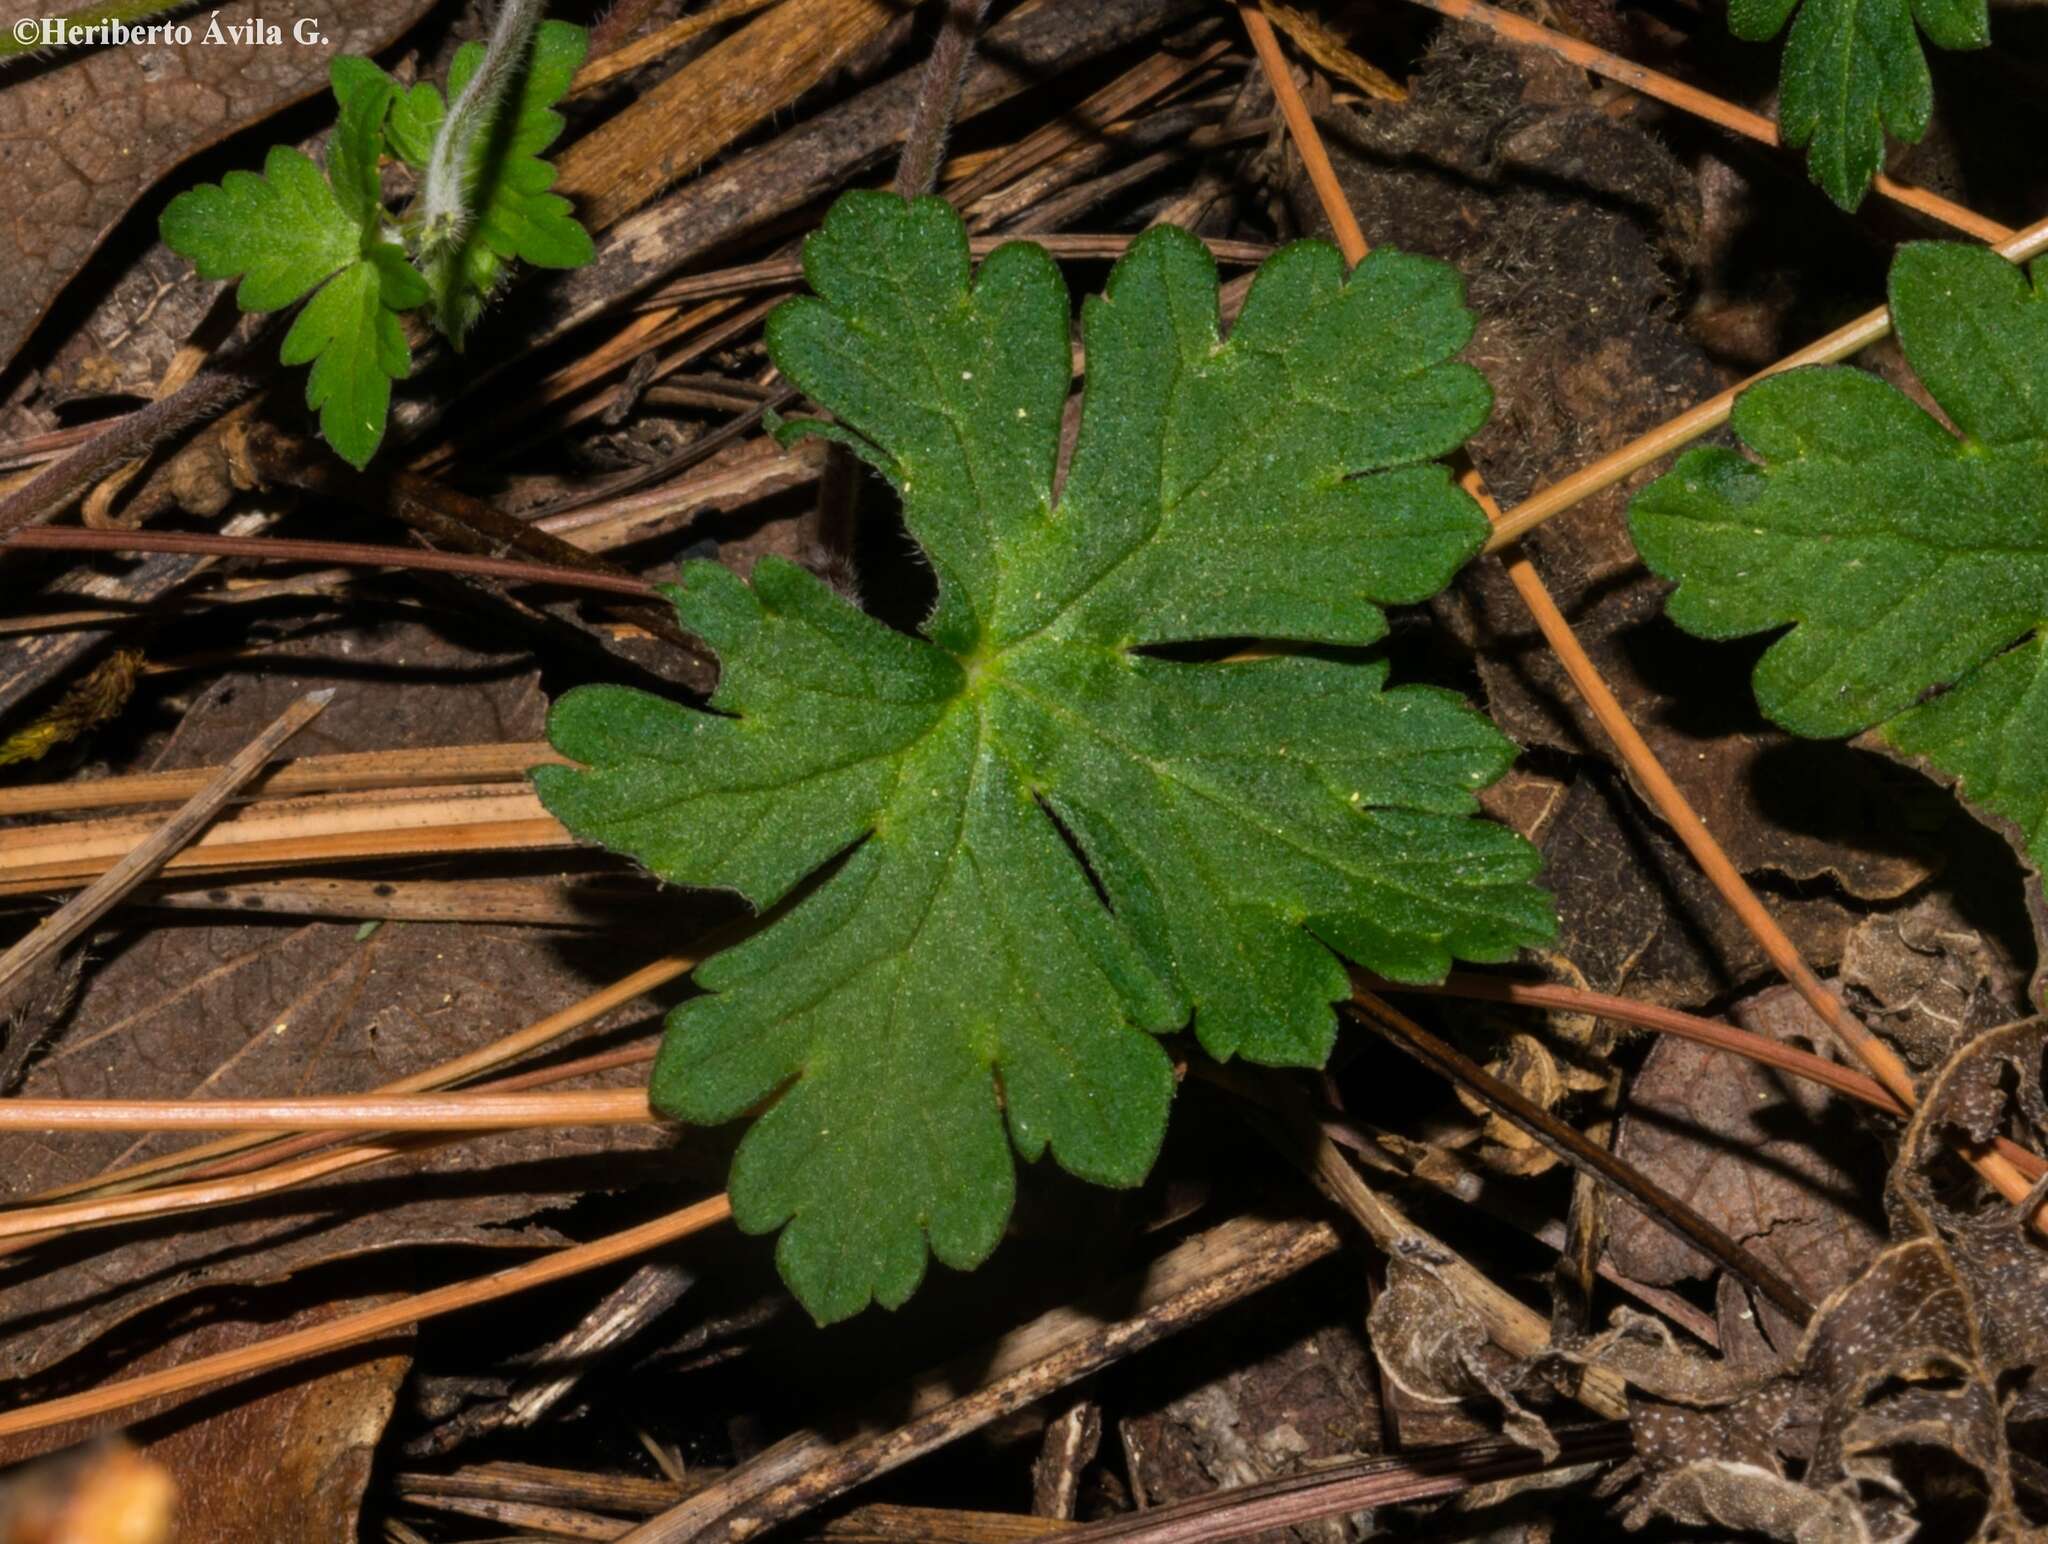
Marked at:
<point>271,1010</point>
<point>317,1433</point>
<point>317,1436</point>
<point>316,1428</point>
<point>1530,1067</point>
<point>1776,1163</point>
<point>86,134</point>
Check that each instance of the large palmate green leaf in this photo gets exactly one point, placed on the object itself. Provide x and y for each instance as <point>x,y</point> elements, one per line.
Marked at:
<point>1050,844</point>
<point>1906,558</point>
<point>1853,72</point>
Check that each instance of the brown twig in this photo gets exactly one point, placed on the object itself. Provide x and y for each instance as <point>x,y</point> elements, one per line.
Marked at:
<point>1279,1110</point>
<point>428,767</point>
<point>299,1345</point>
<point>328,829</point>
<point>1181,1288</point>
<point>104,893</point>
<point>1656,1203</point>
<point>1334,1490</point>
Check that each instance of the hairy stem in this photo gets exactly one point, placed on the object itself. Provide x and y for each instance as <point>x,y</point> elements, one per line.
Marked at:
<point>938,98</point>
<point>46,495</point>
<point>447,204</point>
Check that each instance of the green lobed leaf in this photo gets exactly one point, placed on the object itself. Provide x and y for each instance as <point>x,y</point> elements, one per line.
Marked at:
<point>293,231</point>
<point>281,233</point>
<point>351,335</point>
<point>1853,72</point>
<point>1903,557</point>
<point>517,217</point>
<point>1036,846</point>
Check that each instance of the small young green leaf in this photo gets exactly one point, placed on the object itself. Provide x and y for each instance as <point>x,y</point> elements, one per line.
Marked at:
<point>516,217</point>
<point>293,230</point>
<point>1041,844</point>
<point>356,146</point>
<point>1853,71</point>
<point>1904,557</point>
<point>283,232</point>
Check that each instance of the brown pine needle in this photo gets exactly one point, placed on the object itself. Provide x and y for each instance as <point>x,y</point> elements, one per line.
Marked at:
<point>1668,1021</point>
<point>1701,104</point>
<point>1721,872</point>
<point>341,554</point>
<point>460,1069</point>
<point>345,772</point>
<point>1307,141</point>
<point>1675,434</point>
<point>1658,1204</point>
<point>261,1173</point>
<point>1997,1170</point>
<point>335,1112</point>
<point>1686,1026</point>
<point>301,1345</point>
<point>104,893</point>
<point>37,1223</point>
<point>1351,1485</point>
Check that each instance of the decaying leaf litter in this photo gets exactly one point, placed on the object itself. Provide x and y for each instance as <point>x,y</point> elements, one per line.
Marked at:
<point>1622,262</point>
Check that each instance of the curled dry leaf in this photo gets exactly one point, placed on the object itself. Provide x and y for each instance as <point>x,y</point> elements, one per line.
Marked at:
<point>87,135</point>
<point>1434,1348</point>
<point>1932,979</point>
<point>1993,1087</point>
<point>1915,1393</point>
<point>1530,1066</point>
<point>1752,1500</point>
